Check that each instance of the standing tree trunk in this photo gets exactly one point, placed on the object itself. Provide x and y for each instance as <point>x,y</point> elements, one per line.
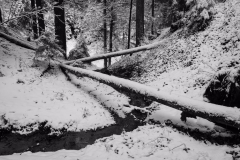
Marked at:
<point>123,36</point>
<point>1,16</point>
<point>34,20</point>
<point>113,19</point>
<point>72,28</point>
<point>60,26</point>
<point>105,31</point>
<point>129,25</point>
<point>41,23</point>
<point>139,22</point>
<point>153,15</point>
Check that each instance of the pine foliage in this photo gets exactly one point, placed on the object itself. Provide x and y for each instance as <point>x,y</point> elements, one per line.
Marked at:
<point>47,47</point>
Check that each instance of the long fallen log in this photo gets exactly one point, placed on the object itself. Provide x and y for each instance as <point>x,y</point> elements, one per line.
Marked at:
<point>17,41</point>
<point>216,113</point>
<point>115,54</point>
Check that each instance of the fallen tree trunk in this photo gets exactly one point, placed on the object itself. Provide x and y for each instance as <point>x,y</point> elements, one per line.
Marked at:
<point>118,53</point>
<point>216,113</point>
<point>17,41</point>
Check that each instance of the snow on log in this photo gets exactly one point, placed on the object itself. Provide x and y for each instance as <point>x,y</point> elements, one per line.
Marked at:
<point>115,54</point>
<point>216,113</point>
<point>17,41</point>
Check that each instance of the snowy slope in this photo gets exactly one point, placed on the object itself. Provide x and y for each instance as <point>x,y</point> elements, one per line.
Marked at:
<point>185,65</point>
<point>146,142</point>
<point>26,98</point>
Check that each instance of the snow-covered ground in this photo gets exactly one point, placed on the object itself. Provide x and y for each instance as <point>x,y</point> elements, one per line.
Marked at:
<point>148,142</point>
<point>95,48</point>
<point>26,98</point>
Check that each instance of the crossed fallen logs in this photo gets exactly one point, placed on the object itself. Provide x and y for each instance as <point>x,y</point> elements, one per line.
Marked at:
<point>212,112</point>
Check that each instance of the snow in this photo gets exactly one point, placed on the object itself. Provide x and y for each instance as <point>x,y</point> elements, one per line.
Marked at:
<point>51,98</point>
<point>71,44</point>
<point>109,97</point>
<point>172,100</point>
<point>27,98</point>
<point>148,142</point>
<point>94,49</point>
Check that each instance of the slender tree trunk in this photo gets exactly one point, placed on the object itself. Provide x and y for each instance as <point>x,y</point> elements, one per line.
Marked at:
<point>139,22</point>
<point>123,36</point>
<point>1,15</point>
<point>111,33</point>
<point>34,20</point>
<point>105,32</point>
<point>153,15</point>
<point>41,23</point>
<point>72,28</point>
<point>129,25</point>
<point>60,26</point>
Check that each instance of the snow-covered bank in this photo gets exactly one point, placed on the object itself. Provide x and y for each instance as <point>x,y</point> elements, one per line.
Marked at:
<point>23,95</point>
<point>27,98</point>
<point>149,142</point>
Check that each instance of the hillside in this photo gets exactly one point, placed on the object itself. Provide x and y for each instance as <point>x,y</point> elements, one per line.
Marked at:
<point>34,105</point>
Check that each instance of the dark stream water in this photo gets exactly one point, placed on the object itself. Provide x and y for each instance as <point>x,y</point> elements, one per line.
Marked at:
<point>40,140</point>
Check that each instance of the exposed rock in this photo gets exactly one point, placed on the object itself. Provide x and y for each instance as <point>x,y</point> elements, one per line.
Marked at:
<point>1,74</point>
<point>20,81</point>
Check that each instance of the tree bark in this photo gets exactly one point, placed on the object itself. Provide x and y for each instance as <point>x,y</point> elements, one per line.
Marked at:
<point>41,23</point>
<point>212,112</point>
<point>118,53</point>
<point>111,34</point>
<point>105,32</point>
<point>129,25</point>
<point>18,41</point>
<point>34,20</point>
<point>139,22</point>
<point>153,15</point>
<point>72,28</point>
<point>60,26</point>
<point>1,16</point>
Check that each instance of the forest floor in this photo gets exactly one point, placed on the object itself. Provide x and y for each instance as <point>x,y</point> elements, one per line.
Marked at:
<point>44,115</point>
